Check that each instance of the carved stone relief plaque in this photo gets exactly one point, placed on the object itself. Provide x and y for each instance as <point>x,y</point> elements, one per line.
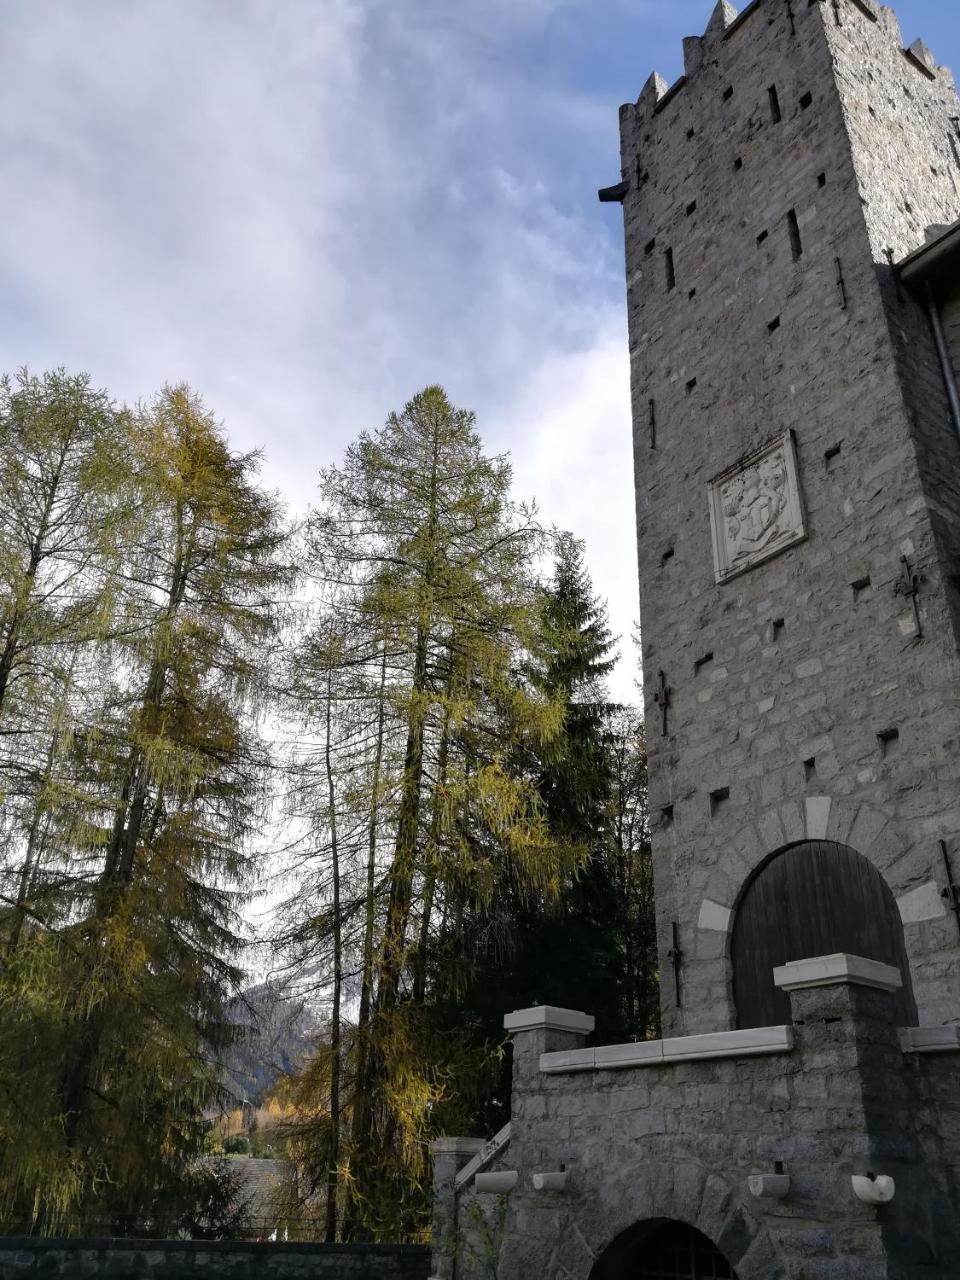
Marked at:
<point>756,509</point>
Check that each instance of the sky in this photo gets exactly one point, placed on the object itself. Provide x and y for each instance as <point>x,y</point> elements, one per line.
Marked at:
<point>309,209</point>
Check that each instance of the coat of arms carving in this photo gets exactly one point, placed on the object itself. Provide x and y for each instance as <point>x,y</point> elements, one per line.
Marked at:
<point>756,509</point>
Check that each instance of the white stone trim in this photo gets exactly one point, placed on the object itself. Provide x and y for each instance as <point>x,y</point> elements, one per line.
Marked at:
<point>548,1018</point>
<point>457,1146</point>
<point>497,1183</point>
<point>729,1044</point>
<point>829,971</point>
<point>630,1055</point>
<point>486,1155</point>
<point>923,903</point>
<point>930,1039</point>
<point>714,916</point>
<point>818,816</point>
<point>657,1053</point>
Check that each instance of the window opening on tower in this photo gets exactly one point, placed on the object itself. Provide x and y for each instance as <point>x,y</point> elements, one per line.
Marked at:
<point>796,240</point>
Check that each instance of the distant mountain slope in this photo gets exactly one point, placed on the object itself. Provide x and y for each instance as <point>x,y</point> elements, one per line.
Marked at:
<point>276,1033</point>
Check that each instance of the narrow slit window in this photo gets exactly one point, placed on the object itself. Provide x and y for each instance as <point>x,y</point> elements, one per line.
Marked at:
<point>810,769</point>
<point>671,270</point>
<point>718,798</point>
<point>831,455</point>
<point>860,587</point>
<point>692,294</point>
<point>691,386</point>
<point>738,163</point>
<point>796,240</point>
<point>650,246</point>
<point>702,662</point>
<point>774,325</point>
<point>777,629</point>
<point>666,815</point>
<point>667,555</point>
<point>728,93</point>
<point>776,115</point>
<point>691,208</point>
<point>761,237</point>
<point>690,133</point>
<point>806,101</point>
<point>842,286</point>
<point>889,740</point>
<point>821,179</point>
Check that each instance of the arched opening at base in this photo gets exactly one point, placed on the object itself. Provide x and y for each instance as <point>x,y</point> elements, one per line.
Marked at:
<point>663,1251</point>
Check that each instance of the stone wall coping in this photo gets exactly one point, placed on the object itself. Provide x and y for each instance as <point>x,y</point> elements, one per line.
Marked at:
<point>457,1146</point>
<point>113,1244</point>
<point>749,1043</point>
<point>930,1039</point>
<point>834,970</point>
<point>487,1153</point>
<point>546,1017</point>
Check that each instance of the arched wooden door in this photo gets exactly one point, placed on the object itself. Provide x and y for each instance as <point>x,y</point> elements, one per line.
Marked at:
<point>813,899</point>
<point>667,1251</point>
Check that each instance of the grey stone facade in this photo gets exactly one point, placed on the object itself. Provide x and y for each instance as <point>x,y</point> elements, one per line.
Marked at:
<point>845,664</point>
<point>798,513</point>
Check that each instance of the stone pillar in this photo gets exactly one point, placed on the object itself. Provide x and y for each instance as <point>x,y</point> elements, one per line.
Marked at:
<point>846,1109</point>
<point>450,1155</point>
<point>543,1030</point>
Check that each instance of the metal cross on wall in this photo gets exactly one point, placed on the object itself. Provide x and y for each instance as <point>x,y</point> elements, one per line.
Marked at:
<point>951,893</point>
<point>675,955</point>
<point>663,698</point>
<point>908,585</point>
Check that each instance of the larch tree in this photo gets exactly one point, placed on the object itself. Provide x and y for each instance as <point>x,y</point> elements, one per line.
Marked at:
<point>128,993</point>
<point>429,566</point>
<point>64,505</point>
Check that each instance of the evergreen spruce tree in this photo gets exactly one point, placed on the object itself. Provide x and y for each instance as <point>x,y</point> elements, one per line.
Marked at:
<point>589,947</point>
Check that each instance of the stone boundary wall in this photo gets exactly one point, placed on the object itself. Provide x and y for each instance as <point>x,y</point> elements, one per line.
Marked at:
<point>229,1259</point>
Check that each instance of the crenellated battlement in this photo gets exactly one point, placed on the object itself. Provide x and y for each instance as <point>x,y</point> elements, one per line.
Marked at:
<point>726,21</point>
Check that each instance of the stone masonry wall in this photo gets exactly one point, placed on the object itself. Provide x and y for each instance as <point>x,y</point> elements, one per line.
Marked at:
<point>737,334</point>
<point>901,110</point>
<point>679,1141</point>
<point>225,1260</point>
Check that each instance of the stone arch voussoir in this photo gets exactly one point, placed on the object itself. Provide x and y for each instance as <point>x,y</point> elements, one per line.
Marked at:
<point>866,829</point>
<point>656,1193</point>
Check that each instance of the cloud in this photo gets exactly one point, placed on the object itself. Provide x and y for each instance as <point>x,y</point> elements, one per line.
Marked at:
<point>310,210</point>
<point>570,423</point>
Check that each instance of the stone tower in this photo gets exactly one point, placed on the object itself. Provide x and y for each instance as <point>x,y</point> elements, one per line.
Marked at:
<point>793,287</point>
<point>797,477</point>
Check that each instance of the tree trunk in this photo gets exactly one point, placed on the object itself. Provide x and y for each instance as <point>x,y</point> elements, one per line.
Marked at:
<point>433,853</point>
<point>12,638</point>
<point>31,858</point>
<point>361,1109</point>
<point>333,1159</point>
<point>405,849</point>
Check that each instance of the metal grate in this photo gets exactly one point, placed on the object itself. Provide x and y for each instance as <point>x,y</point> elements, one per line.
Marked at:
<point>680,1253</point>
